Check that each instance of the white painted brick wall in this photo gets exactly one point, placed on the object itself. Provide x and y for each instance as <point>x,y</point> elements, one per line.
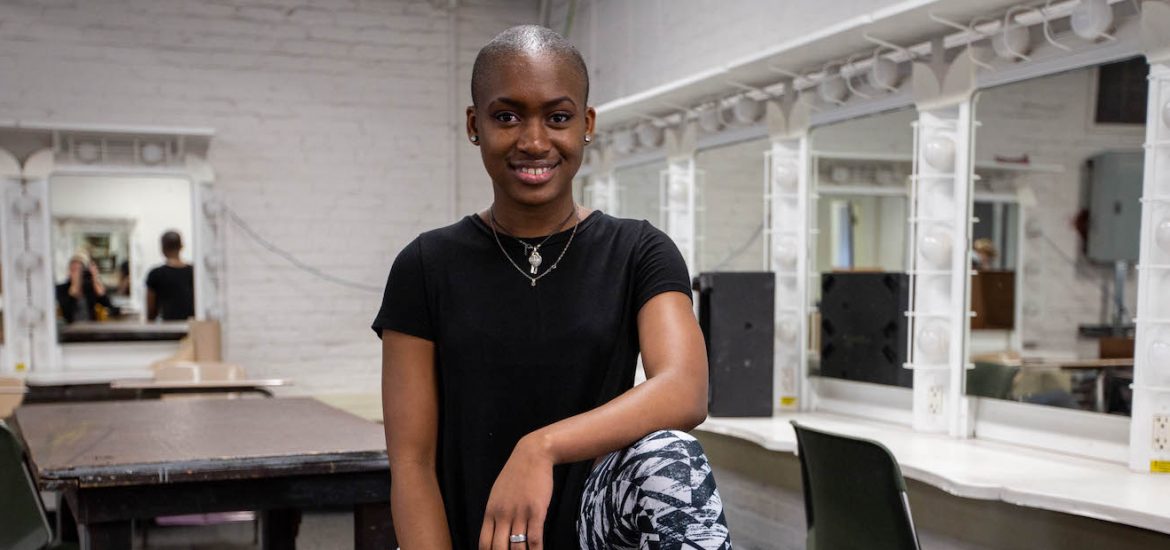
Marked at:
<point>335,123</point>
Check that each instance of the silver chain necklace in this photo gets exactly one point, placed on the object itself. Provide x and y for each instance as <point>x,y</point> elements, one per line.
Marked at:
<point>534,258</point>
<point>536,253</point>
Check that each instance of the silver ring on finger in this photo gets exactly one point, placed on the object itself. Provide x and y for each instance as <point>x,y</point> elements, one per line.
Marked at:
<point>518,538</point>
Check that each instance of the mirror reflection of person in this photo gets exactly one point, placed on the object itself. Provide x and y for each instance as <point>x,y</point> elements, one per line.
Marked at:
<point>81,296</point>
<point>985,254</point>
<point>123,279</point>
<point>170,288</point>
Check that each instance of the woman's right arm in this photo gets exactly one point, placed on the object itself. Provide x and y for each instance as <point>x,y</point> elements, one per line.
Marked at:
<point>410,407</point>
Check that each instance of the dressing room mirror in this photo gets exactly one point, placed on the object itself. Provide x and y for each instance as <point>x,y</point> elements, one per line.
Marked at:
<point>1061,159</point>
<point>638,192</point>
<point>861,173</point>
<point>106,235</point>
<point>731,212</point>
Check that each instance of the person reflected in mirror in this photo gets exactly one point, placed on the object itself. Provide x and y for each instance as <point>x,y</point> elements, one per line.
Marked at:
<point>83,297</point>
<point>983,254</point>
<point>123,288</point>
<point>170,288</point>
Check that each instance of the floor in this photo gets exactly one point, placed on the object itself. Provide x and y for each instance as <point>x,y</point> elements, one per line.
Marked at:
<point>319,531</point>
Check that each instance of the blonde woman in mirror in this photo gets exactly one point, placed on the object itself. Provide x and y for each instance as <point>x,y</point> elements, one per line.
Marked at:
<point>83,297</point>
<point>983,254</point>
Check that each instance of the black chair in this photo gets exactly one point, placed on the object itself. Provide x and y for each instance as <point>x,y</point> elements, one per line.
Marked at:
<point>854,494</point>
<point>23,525</point>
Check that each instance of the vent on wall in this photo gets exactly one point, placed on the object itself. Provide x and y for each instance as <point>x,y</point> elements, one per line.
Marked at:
<point>1121,92</point>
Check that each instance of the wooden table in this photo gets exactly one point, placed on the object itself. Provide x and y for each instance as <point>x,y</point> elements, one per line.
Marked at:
<point>122,331</point>
<point>118,461</point>
<point>81,385</point>
<point>157,388</point>
<point>365,405</point>
<point>1100,364</point>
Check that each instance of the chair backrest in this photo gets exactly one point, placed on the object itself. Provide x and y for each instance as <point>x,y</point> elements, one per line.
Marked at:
<point>854,494</point>
<point>23,525</point>
<point>991,380</point>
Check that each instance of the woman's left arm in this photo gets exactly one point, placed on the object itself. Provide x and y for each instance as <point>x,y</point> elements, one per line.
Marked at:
<point>674,397</point>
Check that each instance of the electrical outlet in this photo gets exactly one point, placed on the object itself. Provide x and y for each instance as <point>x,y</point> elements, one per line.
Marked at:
<point>1161,439</point>
<point>934,400</point>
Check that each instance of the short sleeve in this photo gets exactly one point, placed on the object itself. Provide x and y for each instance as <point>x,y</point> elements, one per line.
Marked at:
<point>152,279</point>
<point>404,302</point>
<point>659,266</point>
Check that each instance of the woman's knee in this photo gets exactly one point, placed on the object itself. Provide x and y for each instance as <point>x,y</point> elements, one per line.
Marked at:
<point>669,454</point>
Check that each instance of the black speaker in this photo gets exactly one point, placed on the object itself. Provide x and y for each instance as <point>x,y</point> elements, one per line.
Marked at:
<point>736,315</point>
<point>863,327</point>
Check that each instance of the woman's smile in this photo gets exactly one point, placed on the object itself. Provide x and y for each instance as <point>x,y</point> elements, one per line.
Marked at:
<point>535,173</point>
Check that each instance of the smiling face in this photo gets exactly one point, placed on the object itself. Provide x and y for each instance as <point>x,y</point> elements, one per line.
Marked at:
<point>531,121</point>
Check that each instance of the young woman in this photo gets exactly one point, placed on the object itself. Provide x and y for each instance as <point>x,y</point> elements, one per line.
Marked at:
<point>510,340</point>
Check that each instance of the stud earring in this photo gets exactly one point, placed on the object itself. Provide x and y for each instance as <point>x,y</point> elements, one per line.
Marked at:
<point>588,138</point>
<point>475,139</point>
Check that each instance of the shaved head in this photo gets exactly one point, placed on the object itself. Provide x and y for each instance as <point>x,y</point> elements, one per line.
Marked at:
<point>524,40</point>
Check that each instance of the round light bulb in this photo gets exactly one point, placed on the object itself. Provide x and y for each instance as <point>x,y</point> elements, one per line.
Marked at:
<point>27,261</point>
<point>152,153</point>
<point>710,121</point>
<point>625,141</point>
<point>935,244</point>
<point>784,253</point>
<point>1159,353</point>
<point>883,74</point>
<point>940,153</point>
<point>26,204</point>
<point>1162,235</point>
<point>747,110</point>
<point>833,88</point>
<point>1013,42</point>
<point>30,316</point>
<point>786,330</point>
<point>649,135</point>
<point>88,152</point>
<point>1091,19</point>
<point>784,175</point>
<point>933,341</point>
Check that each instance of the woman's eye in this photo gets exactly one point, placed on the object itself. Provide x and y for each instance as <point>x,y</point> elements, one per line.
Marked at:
<point>560,118</point>
<point>506,117</point>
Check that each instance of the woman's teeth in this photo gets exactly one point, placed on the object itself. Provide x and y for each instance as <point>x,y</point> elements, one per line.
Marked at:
<point>535,171</point>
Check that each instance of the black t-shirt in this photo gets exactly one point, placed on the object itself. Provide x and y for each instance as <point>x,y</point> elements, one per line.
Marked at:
<point>174,290</point>
<point>512,358</point>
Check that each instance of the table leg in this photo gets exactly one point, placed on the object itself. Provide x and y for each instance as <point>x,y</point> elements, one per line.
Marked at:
<point>278,529</point>
<point>373,527</point>
<point>114,535</point>
<point>1099,390</point>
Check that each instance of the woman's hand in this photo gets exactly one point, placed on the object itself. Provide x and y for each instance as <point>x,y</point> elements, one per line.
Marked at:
<point>519,499</point>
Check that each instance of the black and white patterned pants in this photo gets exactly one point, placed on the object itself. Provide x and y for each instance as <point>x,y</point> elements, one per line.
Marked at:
<point>657,494</point>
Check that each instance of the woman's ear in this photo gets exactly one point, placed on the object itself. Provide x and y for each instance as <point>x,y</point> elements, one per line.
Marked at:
<point>472,131</point>
<point>590,119</point>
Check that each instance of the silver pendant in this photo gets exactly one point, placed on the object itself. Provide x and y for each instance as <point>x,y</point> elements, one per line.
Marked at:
<point>533,282</point>
<point>534,261</point>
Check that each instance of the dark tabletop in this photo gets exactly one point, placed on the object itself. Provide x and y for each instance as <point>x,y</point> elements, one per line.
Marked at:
<point>150,442</point>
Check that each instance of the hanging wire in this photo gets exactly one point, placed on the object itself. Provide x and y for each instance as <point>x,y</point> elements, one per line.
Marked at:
<point>742,248</point>
<point>269,246</point>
